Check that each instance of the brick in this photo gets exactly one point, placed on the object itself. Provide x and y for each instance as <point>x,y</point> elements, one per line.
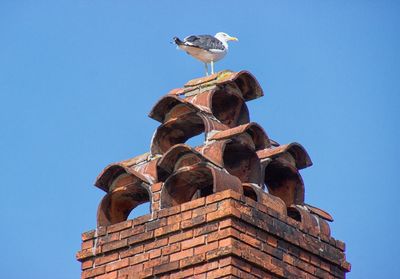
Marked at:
<point>133,231</point>
<point>193,204</point>
<point>315,260</point>
<point>180,255</point>
<point>128,271</point>
<point>225,242</point>
<point>244,227</point>
<point>112,275</point>
<point>171,249</point>
<point>155,253</point>
<point>253,255</point>
<point>272,241</point>
<point>225,223</point>
<point>81,255</point>
<point>156,262</point>
<point>182,274</point>
<point>222,195</point>
<point>224,212</point>
<point>193,260</point>
<point>243,208</point>
<point>117,265</point>
<point>141,219</point>
<point>309,268</point>
<point>206,267</point>
<point>225,261</point>
<point>166,267</point>
<point>138,258</point>
<point>325,266</point>
<point>288,259</point>
<point>155,206</point>
<point>167,229</point>
<point>106,259</point>
<point>186,215</point>
<point>321,273</point>
<point>238,262</point>
<point>200,276</point>
<point>261,235</point>
<point>101,231</point>
<point>304,256</point>
<point>204,210</point>
<point>250,240</point>
<point>193,242</point>
<point>169,211</point>
<point>88,235</point>
<point>93,272</point>
<point>341,245</point>
<point>152,225</point>
<point>145,273</point>
<point>140,237</point>
<point>216,253</point>
<point>276,252</point>
<point>108,238</point>
<point>174,219</point>
<point>119,226</point>
<point>132,251</point>
<point>274,267</point>
<point>88,244</point>
<point>156,244</point>
<point>156,187</point>
<point>205,248</point>
<point>114,245</point>
<point>87,264</point>
<point>218,273</point>
<point>156,197</point>
<point>222,234</point>
<point>193,222</point>
<point>208,228</point>
<point>180,236</point>
<point>346,266</point>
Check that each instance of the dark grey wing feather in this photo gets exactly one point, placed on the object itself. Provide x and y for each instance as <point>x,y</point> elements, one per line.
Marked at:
<point>206,42</point>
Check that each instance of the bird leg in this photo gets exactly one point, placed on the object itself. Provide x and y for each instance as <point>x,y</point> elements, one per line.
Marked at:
<point>206,66</point>
<point>212,67</point>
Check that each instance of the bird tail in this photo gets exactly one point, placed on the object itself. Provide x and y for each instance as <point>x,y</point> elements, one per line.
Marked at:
<point>177,41</point>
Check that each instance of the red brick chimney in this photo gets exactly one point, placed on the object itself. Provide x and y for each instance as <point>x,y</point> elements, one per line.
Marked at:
<point>232,207</point>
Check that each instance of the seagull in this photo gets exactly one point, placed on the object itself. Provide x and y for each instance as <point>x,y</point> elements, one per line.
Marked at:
<point>206,48</point>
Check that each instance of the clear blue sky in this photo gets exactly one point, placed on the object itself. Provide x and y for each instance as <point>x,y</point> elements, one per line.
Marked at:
<point>77,79</point>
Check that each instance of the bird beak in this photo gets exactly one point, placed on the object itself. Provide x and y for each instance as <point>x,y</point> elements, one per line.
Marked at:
<point>233,39</point>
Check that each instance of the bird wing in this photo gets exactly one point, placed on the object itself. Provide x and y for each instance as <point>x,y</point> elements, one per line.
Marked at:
<point>206,42</point>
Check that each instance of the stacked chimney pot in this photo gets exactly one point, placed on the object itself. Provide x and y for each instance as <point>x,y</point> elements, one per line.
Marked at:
<point>232,207</point>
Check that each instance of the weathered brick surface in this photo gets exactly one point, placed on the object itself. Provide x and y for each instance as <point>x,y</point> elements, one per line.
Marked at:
<point>239,241</point>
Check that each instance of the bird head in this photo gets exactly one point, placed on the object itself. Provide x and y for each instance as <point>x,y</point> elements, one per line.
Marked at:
<point>225,37</point>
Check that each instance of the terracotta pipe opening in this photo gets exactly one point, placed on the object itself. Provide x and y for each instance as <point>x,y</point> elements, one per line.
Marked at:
<point>293,213</point>
<point>182,186</point>
<point>176,131</point>
<point>249,192</point>
<point>229,107</point>
<point>284,181</point>
<point>125,194</point>
<point>178,156</point>
<point>308,220</point>
<point>241,161</point>
<point>169,107</point>
<point>249,86</point>
<point>196,181</point>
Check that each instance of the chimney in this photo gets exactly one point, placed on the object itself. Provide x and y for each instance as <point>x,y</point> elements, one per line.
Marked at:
<point>232,207</point>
